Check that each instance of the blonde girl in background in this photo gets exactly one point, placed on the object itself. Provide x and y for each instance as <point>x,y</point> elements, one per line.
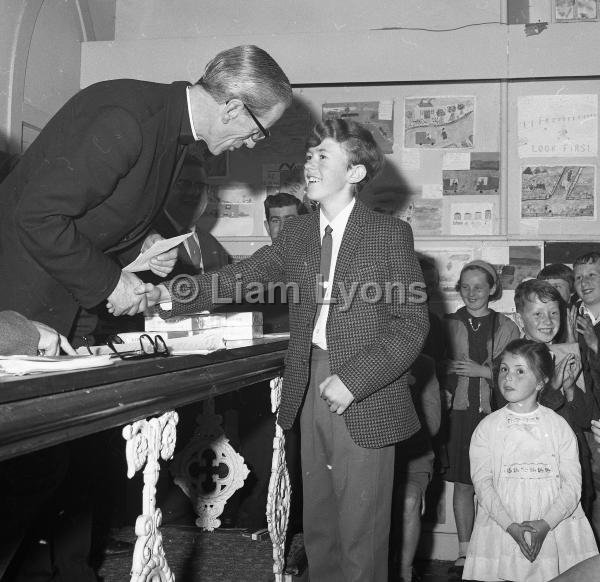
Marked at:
<point>476,336</point>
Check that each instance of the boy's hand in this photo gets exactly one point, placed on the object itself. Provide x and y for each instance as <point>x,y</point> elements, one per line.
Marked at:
<point>565,372</point>
<point>540,531</point>
<point>586,329</point>
<point>335,393</point>
<point>517,532</point>
<point>154,293</point>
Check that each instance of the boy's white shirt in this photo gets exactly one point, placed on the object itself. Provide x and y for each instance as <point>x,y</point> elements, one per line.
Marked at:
<point>338,226</point>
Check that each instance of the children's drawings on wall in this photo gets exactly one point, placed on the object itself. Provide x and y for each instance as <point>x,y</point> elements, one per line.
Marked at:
<point>558,192</point>
<point>558,125</point>
<point>575,10</point>
<point>439,122</point>
<point>472,218</point>
<point>284,177</point>
<point>483,177</point>
<point>230,211</point>
<point>524,262</point>
<point>424,215</point>
<point>376,116</point>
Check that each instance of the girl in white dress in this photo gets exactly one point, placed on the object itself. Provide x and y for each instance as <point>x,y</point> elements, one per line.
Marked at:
<point>525,469</point>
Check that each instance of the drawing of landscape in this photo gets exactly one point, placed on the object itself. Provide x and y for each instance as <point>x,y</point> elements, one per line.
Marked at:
<point>439,122</point>
<point>558,192</point>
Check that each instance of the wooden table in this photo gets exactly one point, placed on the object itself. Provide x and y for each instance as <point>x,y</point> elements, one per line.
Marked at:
<point>46,409</point>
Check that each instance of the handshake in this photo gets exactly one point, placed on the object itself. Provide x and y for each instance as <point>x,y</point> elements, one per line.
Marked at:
<point>537,530</point>
<point>131,295</point>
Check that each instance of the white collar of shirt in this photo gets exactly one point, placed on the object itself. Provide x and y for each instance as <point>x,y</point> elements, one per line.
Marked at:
<point>338,224</point>
<point>583,310</point>
<point>187,94</point>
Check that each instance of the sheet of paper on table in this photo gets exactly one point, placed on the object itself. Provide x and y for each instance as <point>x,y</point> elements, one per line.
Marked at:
<point>142,261</point>
<point>20,365</point>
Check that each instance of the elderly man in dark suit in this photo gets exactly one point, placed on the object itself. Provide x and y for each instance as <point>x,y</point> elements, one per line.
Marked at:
<point>348,357</point>
<point>81,201</point>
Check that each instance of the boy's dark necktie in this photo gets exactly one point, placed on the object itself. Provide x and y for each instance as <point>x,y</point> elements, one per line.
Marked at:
<point>326,246</point>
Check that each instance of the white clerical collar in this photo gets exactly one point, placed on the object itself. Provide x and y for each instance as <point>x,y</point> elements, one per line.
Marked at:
<point>187,93</point>
<point>338,224</point>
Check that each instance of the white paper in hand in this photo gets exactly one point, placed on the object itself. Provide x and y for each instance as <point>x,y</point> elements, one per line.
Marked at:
<point>142,262</point>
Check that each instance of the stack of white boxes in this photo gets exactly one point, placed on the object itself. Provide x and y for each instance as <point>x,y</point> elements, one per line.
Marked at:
<point>244,325</point>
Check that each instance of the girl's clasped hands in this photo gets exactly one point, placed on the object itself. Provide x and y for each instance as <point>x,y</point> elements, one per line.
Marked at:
<point>537,530</point>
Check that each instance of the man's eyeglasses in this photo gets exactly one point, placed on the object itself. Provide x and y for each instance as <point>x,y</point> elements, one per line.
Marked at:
<point>263,132</point>
<point>149,348</point>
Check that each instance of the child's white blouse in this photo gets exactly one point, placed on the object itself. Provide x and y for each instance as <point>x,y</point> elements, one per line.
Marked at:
<point>563,461</point>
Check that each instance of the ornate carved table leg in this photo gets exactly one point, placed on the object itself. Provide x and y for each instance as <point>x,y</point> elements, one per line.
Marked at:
<point>147,441</point>
<point>278,499</point>
<point>209,470</point>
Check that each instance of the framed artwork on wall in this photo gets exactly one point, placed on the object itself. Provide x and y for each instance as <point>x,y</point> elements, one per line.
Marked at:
<point>574,10</point>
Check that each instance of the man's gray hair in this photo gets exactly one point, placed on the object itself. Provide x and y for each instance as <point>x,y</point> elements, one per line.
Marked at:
<point>250,74</point>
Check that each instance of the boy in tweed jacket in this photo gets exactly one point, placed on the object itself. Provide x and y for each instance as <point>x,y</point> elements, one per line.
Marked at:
<point>347,361</point>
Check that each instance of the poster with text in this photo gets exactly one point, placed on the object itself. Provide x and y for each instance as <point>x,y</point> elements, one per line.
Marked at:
<point>558,125</point>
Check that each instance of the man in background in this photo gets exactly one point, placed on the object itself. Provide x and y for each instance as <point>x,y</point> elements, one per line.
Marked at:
<point>278,208</point>
<point>186,203</point>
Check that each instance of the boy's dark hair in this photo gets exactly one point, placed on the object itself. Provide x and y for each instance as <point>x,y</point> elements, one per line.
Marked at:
<point>587,259</point>
<point>538,289</point>
<point>357,141</point>
<point>537,354</point>
<point>558,271</point>
<point>490,279</point>
<point>282,199</point>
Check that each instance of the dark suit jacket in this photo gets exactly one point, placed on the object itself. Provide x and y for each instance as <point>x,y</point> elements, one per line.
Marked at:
<point>83,196</point>
<point>372,343</point>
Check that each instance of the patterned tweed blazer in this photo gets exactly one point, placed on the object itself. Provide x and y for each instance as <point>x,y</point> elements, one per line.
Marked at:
<point>372,340</point>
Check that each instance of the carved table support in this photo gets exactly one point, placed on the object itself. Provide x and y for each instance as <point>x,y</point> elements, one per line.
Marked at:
<point>147,441</point>
<point>209,470</point>
<point>278,499</point>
